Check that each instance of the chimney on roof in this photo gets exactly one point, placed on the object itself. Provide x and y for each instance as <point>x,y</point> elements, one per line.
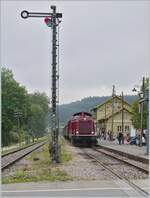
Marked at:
<point>113,91</point>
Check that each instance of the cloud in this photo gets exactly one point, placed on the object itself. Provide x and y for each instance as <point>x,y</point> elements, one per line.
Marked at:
<point>101,44</point>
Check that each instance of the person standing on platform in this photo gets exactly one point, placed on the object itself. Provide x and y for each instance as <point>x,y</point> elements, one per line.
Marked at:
<point>119,137</point>
<point>122,138</point>
<point>99,135</point>
<point>111,136</point>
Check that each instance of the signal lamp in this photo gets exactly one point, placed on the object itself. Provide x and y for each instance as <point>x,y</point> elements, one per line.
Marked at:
<point>141,94</point>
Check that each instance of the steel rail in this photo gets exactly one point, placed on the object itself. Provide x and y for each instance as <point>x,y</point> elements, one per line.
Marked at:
<point>19,149</point>
<point>10,159</point>
<point>122,160</point>
<point>134,186</point>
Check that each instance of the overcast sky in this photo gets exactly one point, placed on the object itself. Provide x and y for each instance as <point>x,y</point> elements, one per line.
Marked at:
<point>101,44</point>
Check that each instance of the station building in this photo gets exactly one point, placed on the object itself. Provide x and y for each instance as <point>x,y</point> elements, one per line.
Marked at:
<point>113,115</point>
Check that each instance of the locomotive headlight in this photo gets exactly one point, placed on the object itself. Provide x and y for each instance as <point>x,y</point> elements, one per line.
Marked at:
<point>77,132</point>
<point>92,132</point>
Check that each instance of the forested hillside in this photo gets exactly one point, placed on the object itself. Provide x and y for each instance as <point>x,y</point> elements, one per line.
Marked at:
<point>66,110</point>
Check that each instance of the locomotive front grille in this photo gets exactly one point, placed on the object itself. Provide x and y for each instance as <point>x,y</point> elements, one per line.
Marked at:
<point>85,127</point>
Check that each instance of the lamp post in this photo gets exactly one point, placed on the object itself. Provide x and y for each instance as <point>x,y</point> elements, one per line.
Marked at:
<point>141,102</point>
<point>52,20</point>
<point>113,95</point>
<point>144,97</point>
<point>141,107</point>
<point>147,135</point>
<point>122,113</point>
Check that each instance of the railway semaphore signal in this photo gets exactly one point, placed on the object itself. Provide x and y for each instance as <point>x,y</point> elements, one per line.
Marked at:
<point>52,20</point>
<point>48,21</point>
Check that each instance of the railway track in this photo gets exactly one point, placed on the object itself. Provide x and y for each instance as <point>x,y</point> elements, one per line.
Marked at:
<point>108,167</point>
<point>139,165</point>
<point>12,157</point>
<point>124,154</point>
<point>18,149</point>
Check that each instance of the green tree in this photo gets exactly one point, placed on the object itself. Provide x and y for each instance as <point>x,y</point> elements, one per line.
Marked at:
<point>39,114</point>
<point>136,115</point>
<point>34,109</point>
<point>14,97</point>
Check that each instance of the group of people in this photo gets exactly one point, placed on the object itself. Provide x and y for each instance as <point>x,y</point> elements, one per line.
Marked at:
<point>127,139</point>
<point>106,135</point>
<point>123,138</point>
<point>143,139</point>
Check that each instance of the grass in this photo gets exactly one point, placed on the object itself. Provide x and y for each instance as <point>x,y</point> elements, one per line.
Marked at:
<point>42,168</point>
<point>43,156</point>
<point>45,175</point>
<point>65,155</point>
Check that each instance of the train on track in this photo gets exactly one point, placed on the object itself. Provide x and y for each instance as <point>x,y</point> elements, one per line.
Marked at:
<point>80,129</point>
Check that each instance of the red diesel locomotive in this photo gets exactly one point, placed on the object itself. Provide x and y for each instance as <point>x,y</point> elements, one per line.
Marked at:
<point>80,129</point>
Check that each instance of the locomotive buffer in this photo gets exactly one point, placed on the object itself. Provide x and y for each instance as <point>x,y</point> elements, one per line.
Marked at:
<point>52,20</point>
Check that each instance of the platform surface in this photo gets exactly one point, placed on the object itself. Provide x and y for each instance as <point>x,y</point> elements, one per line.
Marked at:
<point>126,148</point>
<point>112,188</point>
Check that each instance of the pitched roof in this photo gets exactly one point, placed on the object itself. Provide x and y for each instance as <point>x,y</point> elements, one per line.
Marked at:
<point>109,101</point>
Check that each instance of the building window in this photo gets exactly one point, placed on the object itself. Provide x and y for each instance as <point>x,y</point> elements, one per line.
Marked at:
<point>126,128</point>
<point>119,128</point>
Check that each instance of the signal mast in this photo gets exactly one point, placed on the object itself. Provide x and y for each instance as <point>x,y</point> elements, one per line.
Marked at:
<point>52,20</point>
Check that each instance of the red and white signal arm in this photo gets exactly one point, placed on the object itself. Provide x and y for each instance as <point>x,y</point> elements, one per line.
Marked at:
<point>48,21</point>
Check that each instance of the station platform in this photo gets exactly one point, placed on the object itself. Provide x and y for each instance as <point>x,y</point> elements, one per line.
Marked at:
<point>131,151</point>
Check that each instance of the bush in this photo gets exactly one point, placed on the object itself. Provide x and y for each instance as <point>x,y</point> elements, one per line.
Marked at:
<point>14,137</point>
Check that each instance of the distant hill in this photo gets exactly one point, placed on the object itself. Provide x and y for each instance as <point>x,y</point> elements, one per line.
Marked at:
<point>85,104</point>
